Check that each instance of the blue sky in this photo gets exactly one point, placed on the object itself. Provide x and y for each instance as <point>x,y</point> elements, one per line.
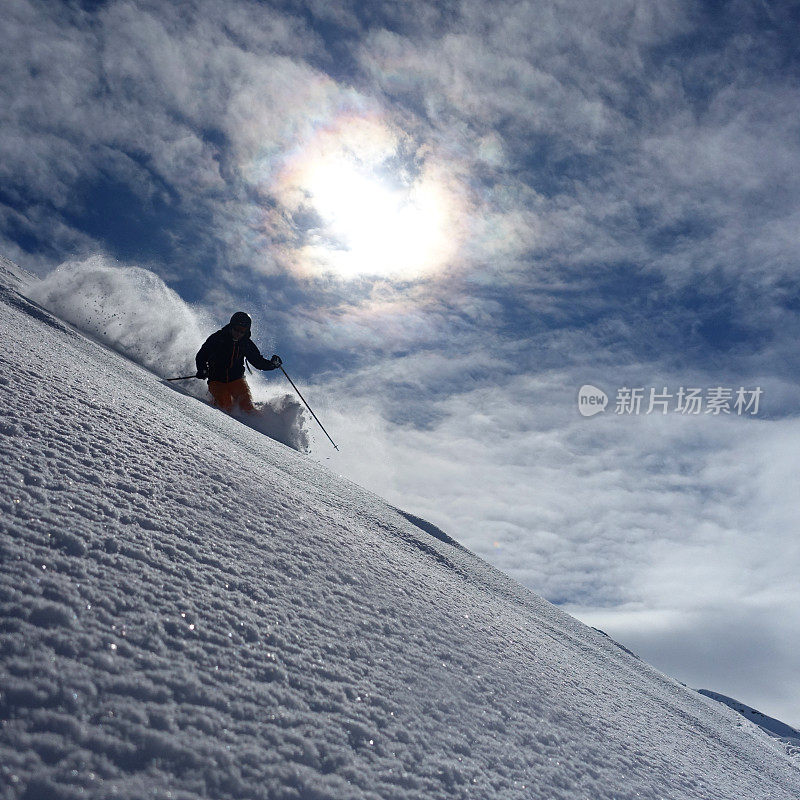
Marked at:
<point>447,218</point>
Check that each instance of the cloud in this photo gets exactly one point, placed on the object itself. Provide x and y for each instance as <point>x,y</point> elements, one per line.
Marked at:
<point>171,107</point>
<point>578,142</point>
<point>612,150</point>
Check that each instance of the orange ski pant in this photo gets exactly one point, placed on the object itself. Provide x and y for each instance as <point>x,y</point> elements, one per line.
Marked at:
<point>226,395</point>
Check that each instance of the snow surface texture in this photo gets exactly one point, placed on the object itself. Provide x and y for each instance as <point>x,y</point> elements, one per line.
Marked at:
<point>190,609</point>
<point>135,313</point>
<point>12,276</point>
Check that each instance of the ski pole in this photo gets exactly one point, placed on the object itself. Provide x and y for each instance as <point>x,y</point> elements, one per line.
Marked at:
<point>182,378</point>
<point>309,408</point>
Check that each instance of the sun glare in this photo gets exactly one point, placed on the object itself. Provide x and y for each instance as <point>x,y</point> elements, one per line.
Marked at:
<point>371,228</point>
<point>365,225</point>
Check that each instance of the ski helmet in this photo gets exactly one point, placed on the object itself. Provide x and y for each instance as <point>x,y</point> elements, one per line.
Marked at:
<point>240,318</point>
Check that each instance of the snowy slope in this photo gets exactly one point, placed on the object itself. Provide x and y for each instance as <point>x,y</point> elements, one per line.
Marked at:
<point>190,609</point>
<point>12,275</point>
<point>772,726</point>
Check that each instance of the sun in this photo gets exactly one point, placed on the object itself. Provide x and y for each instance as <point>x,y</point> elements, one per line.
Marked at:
<point>362,212</point>
<point>370,227</point>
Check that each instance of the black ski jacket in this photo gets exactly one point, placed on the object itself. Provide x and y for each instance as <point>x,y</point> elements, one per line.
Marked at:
<point>223,358</point>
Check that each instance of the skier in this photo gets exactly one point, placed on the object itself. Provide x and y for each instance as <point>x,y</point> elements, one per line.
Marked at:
<point>221,360</point>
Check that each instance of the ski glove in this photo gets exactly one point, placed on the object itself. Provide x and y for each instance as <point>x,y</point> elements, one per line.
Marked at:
<point>275,361</point>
